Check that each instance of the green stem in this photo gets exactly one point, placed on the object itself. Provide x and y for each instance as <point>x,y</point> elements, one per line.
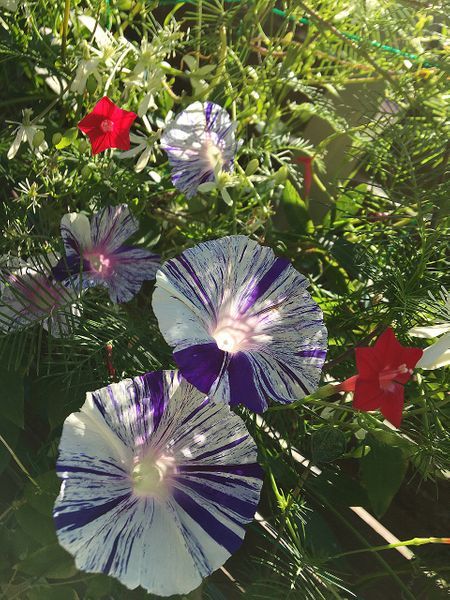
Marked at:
<point>18,461</point>
<point>199,29</point>
<point>323,392</point>
<point>65,28</point>
<point>348,37</point>
<point>357,534</point>
<point>411,542</point>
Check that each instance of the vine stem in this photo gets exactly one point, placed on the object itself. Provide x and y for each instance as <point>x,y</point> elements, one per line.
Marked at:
<point>65,28</point>
<point>412,542</point>
<point>199,29</point>
<point>357,534</point>
<point>19,462</point>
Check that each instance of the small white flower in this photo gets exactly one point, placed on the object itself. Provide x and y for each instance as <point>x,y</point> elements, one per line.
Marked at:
<point>106,44</point>
<point>144,145</point>
<point>26,132</point>
<point>108,54</point>
<point>86,67</point>
<point>438,354</point>
<point>148,72</point>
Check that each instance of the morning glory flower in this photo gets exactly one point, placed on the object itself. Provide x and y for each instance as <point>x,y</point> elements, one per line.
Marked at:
<point>199,142</point>
<point>96,253</point>
<point>157,484</point>
<point>29,295</point>
<point>436,355</point>
<point>243,326</point>
<point>26,132</point>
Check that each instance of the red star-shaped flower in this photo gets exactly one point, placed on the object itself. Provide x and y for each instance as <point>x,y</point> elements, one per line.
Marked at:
<point>107,126</point>
<point>383,369</point>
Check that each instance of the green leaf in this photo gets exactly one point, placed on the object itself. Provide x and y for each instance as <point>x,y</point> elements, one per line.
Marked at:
<point>296,210</point>
<point>338,489</point>
<point>38,527</point>
<point>327,444</point>
<point>99,586</point>
<point>190,61</point>
<point>10,433</point>
<point>345,253</point>
<point>226,197</point>
<point>43,500</point>
<point>12,399</point>
<point>49,561</point>
<point>49,592</point>
<point>318,536</point>
<point>67,139</point>
<point>382,473</point>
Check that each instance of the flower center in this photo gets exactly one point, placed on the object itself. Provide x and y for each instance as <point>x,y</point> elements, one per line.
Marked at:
<point>235,334</point>
<point>150,476</point>
<point>100,263</point>
<point>107,125</point>
<point>387,377</point>
<point>213,154</point>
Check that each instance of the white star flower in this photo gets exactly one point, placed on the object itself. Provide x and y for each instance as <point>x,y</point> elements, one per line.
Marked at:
<point>143,146</point>
<point>26,132</point>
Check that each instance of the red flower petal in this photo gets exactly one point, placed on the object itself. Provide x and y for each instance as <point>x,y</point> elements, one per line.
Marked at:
<point>388,348</point>
<point>348,385</point>
<point>409,357</point>
<point>368,362</point>
<point>90,122</point>
<point>117,132</point>
<point>368,395</point>
<point>100,143</point>
<point>105,107</point>
<point>122,140</point>
<point>392,405</point>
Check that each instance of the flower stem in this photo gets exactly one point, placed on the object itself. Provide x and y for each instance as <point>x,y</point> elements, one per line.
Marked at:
<point>412,542</point>
<point>65,28</point>
<point>18,461</point>
<point>323,392</point>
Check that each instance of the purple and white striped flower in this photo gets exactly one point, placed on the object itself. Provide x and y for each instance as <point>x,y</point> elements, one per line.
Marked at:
<point>243,326</point>
<point>28,295</point>
<point>96,252</point>
<point>199,142</point>
<point>157,483</point>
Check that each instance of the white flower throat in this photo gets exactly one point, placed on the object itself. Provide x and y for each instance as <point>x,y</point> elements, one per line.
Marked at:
<point>150,476</point>
<point>212,154</point>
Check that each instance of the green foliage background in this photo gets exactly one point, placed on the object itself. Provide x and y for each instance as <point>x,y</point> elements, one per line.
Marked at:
<point>372,237</point>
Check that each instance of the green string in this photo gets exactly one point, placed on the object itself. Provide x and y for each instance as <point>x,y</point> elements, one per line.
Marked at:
<point>306,21</point>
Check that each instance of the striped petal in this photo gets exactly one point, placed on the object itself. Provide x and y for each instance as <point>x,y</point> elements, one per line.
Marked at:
<point>29,296</point>
<point>201,137</point>
<point>130,268</point>
<point>76,234</point>
<point>112,226</point>
<point>158,484</point>
<point>243,326</point>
